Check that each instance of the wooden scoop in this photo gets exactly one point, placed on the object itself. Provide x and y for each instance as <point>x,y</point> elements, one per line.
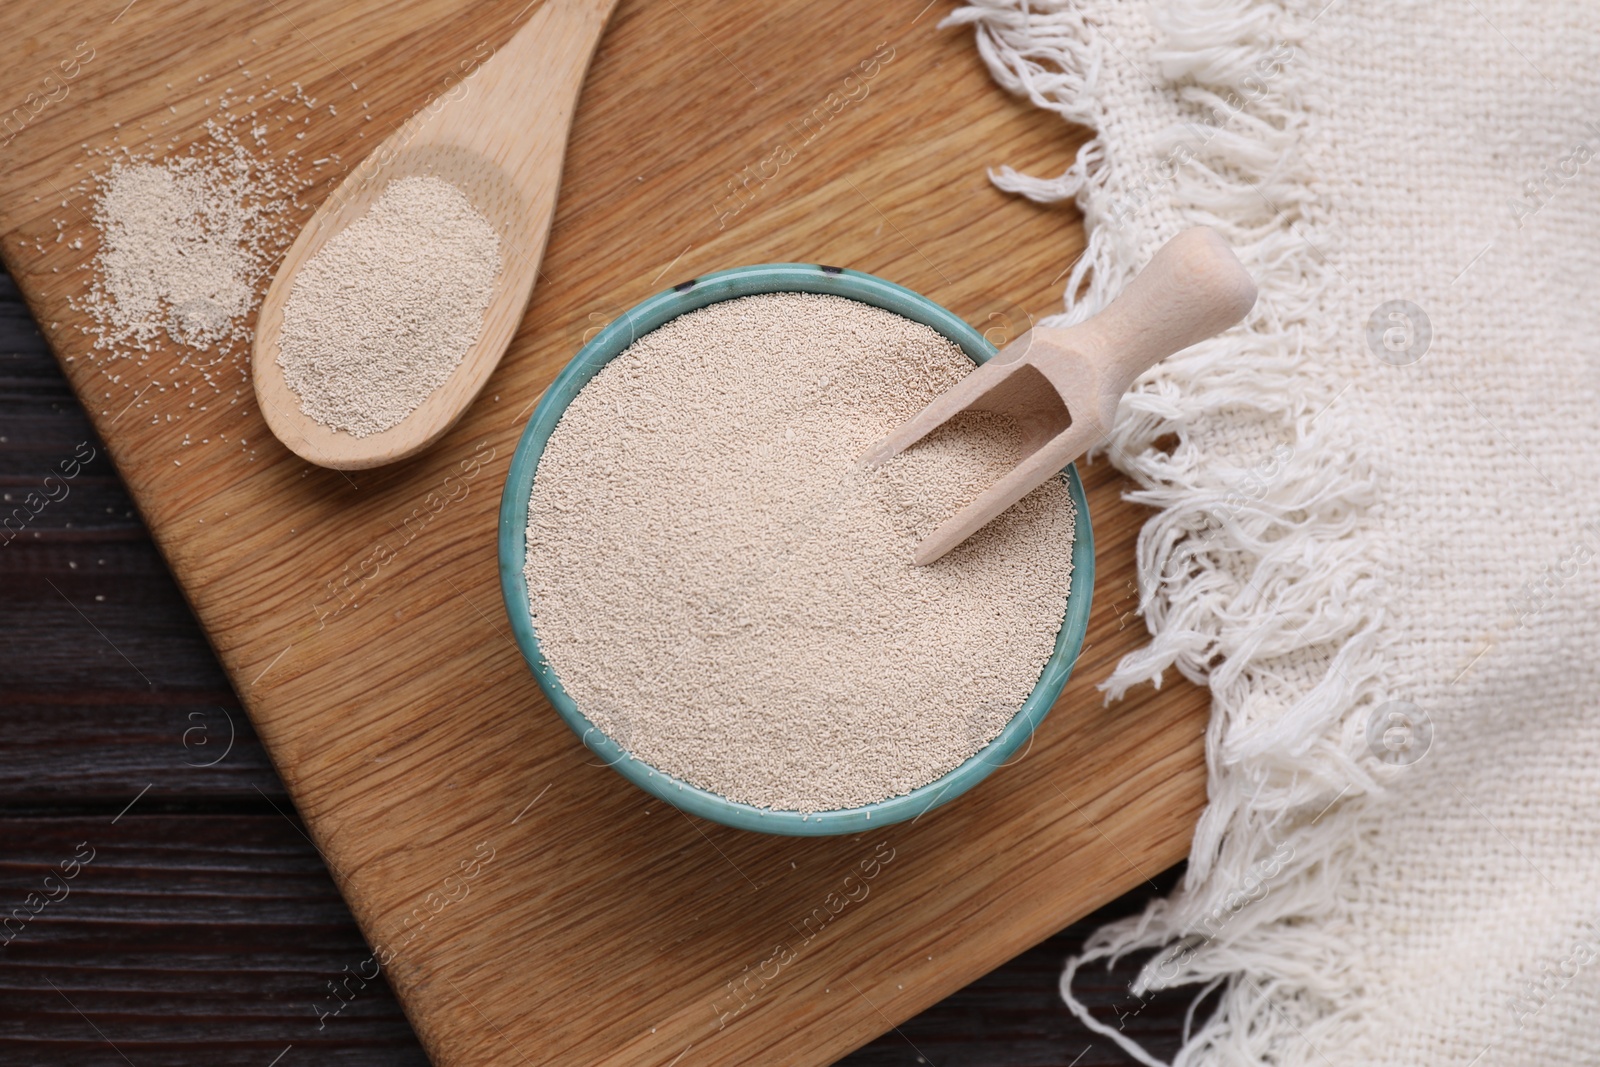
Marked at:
<point>500,137</point>
<point>1062,384</point>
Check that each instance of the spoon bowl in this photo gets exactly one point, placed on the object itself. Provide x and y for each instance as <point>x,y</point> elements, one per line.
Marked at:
<point>502,143</point>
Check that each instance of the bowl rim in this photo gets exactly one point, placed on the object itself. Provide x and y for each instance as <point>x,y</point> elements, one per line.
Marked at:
<point>610,342</point>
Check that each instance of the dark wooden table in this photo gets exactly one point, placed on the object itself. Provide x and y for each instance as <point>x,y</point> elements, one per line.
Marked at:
<point>165,904</point>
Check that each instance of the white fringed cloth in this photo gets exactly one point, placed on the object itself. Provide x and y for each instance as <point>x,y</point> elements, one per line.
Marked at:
<point>1376,534</point>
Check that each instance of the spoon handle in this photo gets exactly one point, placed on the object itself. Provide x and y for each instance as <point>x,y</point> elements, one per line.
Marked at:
<point>520,99</point>
<point>1192,288</point>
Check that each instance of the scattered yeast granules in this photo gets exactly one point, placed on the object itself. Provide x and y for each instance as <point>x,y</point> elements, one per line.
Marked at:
<point>185,244</point>
<point>728,595</point>
<point>384,312</point>
<point>186,230</point>
<point>179,250</point>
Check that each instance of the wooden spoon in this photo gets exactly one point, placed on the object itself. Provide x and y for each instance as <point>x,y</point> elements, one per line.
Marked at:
<point>1062,384</point>
<point>501,141</point>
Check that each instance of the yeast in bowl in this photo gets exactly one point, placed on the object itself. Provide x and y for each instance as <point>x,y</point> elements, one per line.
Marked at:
<point>722,603</point>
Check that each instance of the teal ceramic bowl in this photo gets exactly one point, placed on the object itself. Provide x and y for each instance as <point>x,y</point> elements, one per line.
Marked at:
<point>610,342</point>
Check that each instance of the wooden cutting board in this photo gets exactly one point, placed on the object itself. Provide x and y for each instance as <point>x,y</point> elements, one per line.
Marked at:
<point>532,906</point>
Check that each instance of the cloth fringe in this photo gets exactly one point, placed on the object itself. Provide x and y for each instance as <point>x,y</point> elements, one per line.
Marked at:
<point>1256,573</point>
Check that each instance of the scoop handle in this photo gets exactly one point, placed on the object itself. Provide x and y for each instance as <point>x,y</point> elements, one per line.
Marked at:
<point>1193,287</point>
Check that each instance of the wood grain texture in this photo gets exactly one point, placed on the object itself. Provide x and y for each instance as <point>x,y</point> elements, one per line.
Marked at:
<point>183,940</point>
<point>606,928</point>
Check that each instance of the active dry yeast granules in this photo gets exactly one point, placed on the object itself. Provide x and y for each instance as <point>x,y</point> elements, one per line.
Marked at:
<point>382,314</point>
<point>725,593</point>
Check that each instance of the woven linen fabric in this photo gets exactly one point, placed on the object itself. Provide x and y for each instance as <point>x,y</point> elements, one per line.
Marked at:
<point>1376,534</point>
